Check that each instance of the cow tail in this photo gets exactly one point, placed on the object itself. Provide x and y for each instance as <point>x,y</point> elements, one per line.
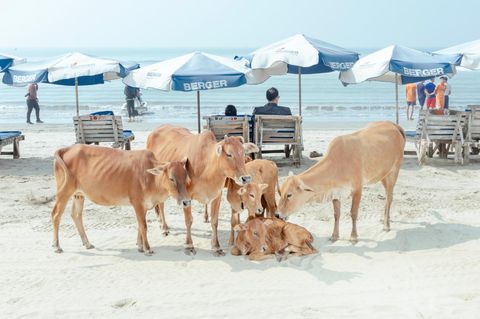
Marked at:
<point>59,160</point>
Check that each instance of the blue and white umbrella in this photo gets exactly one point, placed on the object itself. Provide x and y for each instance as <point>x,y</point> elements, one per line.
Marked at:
<point>300,54</point>
<point>469,51</point>
<point>399,65</point>
<point>72,69</point>
<point>194,72</point>
<point>7,61</point>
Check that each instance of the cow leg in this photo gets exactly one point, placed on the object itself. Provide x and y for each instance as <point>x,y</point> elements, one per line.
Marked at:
<point>215,207</point>
<point>205,214</point>
<point>258,256</point>
<point>189,249</point>
<point>77,216</point>
<point>270,203</point>
<point>356,197</point>
<point>159,210</point>
<point>235,220</point>
<point>58,209</point>
<point>336,214</point>
<point>389,183</point>
<point>141,214</point>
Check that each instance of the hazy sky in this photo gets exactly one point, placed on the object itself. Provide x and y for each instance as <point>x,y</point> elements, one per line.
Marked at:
<point>240,23</point>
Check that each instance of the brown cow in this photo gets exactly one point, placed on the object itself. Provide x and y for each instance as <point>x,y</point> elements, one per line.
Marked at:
<point>261,238</point>
<point>256,197</point>
<point>114,177</point>
<point>367,156</point>
<point>210,164</point>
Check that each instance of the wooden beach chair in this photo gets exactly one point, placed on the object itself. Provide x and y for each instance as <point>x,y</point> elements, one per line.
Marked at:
<point>11,137</point>
<point>276,130</point>
<point>473,128</point>
<point>95,129</point>
<point>222,125</point>
<point>442,133</point>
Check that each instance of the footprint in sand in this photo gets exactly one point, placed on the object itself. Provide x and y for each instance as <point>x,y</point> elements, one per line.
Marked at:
<point>123,303</point>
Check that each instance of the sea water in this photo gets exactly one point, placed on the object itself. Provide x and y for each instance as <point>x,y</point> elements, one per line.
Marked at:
<point>324,98</point>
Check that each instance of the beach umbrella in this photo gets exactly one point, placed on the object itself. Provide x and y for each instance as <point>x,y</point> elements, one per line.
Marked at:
<point>72,69</point>
<point>469,51</point>
<point>300,54</point>
<point>7,61</point>
<point>194,72</point>
<point>399,65</point>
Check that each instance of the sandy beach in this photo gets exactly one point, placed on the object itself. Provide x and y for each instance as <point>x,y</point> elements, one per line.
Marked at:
<point>425,267</point>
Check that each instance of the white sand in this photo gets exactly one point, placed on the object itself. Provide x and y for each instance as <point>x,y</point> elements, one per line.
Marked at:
<point>427,266</point>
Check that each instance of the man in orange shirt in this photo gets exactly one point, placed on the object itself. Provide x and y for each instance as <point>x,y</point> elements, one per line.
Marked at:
<point>411,92</point>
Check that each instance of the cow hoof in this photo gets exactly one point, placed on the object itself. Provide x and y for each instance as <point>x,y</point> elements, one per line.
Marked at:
<point>333,239</point>
<point>206,220</point>
<point>89,246</point>
<point>280,257</point>
<point>148,252</point>
<point>386,229</point>
<point>218,253</point>
<point>354,240</point>
<point>140,249</point>
<point>190,251</point>
<point>59,250</point>
<point>165,233</point>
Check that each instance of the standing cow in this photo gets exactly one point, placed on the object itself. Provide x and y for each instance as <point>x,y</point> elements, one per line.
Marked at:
<point>210,163</point>
<point>367,156</point>
<point>115,177</point>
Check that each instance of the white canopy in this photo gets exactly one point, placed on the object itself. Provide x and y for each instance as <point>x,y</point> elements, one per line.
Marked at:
<point>470,52</point>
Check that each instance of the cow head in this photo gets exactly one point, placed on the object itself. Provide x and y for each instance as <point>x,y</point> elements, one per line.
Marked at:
<point>231,157</point>
<point>175,179</point>
<point>252,236</point>
<point>251,197</point>
<point>293,194</point>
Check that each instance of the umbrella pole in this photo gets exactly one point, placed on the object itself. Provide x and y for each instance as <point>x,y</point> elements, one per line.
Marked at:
<point>396,98</point>
<point>300,90</point>
<point>198,111</point>
<point>76,95</point>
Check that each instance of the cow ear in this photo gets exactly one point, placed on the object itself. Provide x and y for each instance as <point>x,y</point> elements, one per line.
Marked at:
<point>250,148</point>
<point>240,227</point>
<point>305,187</point>
<point>248,159</point>
<point>158,170</point>
<point>184,161</point>
<point>263,187</point>
<point>241,191</point>
<point>219,149</point>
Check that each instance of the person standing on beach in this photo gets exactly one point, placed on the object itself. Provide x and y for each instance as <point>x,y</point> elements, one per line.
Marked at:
<point>421,94</point>
<point>272,108</point>
<point>440,94</point>
<point>411,92</point>
<point>430,93</point>
<point>32,102</point>
<point>131,94</point>
<point>448,91</point>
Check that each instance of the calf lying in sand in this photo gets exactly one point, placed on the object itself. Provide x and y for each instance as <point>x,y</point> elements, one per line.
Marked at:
<point>367,156</point>
<point>114,177</point>
<point>261,239</point>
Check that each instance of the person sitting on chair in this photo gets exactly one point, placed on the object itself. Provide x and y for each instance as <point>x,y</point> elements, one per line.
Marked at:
<point>230,110</point>
<point>272,108</point>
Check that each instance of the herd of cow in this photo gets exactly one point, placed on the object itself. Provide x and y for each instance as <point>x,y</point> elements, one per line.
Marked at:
<point>188,166</point>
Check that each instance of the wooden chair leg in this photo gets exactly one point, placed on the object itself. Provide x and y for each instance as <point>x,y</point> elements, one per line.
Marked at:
<point>16,149</point>
<point>466,154</point>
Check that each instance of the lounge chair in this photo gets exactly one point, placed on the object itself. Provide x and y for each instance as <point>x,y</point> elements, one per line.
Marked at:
<point>442,133</point>
<point>102,127</point>
<point>222,125</point>
<point>11,137</point>
<point>473,128</point>
<point>279,130</point>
